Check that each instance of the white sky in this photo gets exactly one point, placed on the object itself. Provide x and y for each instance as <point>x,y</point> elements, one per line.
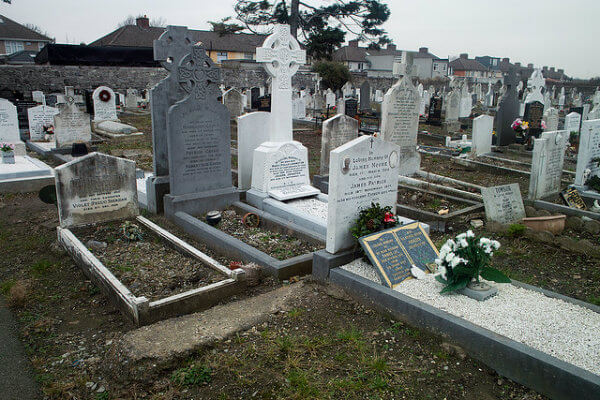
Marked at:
<point>543,32</point>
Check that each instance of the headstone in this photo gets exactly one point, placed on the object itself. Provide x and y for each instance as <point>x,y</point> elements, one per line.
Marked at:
<point>39,117</point>
<point>299,108</point>
<point>38,97</point>
<point>562,98</point>
<point>131,99</point>
<point>586,112</point>
<point>254,95</point>
<point>508,111</point>
<point>589,149</point>
<point>453,106</point>
<point>340,106</point>
<point>105,108</point>
<point>71,125</point>
<point>503,204</point>
<point>551,119</point>
<point>9,126</point>
<point>482,134</point>
<point>572,122</point>
<point>361,172</point>
<point>534,112</point>
<point>547,164</point>
<point>393,252</point>
<point>535,84</point>
<point>400,122</point>
<point>199,135</point>
<point>251,133</point>
<point>365,96</point>
<point>336,131</point>
<point>95,188</point>
<point>434,114</point>
<point>423,104</point>
<point>234,102</point>
<point>329,98</point>
<point>466,101</point>
<point>351,107</point>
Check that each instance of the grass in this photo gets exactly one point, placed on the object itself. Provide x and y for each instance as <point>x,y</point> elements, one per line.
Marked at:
<point>41,267</point>
<point>6,285</point>
<point>192,375</point>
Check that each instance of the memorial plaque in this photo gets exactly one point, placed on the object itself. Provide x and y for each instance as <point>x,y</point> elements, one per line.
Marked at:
<point>503,204</point>
<point>287,172</point>
<point>534,113</point>
<point>39,117</point>
<point>573,199</point>
<point>350,108</point>
<point>361,172</point>
<point>434,115</point>
<point>96,188</point>
<point>264,103</point>
<point>336,131</point>
<point>400,121</point>
<point>395,251</point>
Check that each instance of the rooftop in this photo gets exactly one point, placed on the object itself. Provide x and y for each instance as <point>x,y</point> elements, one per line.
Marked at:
<point>10,29</point>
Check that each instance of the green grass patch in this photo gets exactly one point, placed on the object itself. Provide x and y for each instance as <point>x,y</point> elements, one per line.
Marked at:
<point>41,267</point>
<point>192,375</point>
<point>6,285</point>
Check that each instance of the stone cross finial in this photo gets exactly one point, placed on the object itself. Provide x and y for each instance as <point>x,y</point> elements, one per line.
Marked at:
<point>282,56</point>
<point>172,45</point>
<point>198,75</point>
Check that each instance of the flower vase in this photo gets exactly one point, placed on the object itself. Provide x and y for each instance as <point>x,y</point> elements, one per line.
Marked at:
<point>479,290</point>
<point>8,157</point>
<point>48,138</point>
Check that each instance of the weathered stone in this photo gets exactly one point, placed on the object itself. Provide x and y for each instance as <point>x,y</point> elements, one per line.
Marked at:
<point>530,211</point>
<point>39,117</point>
<point>574,223</point>
<point>592,227</point>
<point>71,125</point>
<point>503,204</point>
<point>547,164</point>
<point>336,131</point>
<point>105,107</point>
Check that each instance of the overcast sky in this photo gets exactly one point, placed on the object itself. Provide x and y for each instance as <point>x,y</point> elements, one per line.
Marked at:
<point>556,33</point>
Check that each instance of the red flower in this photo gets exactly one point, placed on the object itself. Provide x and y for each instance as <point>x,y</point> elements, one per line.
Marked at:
<point>389,217</point>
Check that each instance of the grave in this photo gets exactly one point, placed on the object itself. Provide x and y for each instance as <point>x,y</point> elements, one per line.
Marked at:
<point>131,99</point>
<point>503,203</point>
<point>482,135</point>
<point>452,112</point>
<point>365,96</point>
<point>251,133</point>
<point>199,139</point>
<point>533,114</point>
<point>9,127</point>
<point>39,117</point>
<point>400,122</point>
<point>466,101</point>
<point>508,111</point>
<point>98,188</point>
<point>547,164</point>
<point>572,122</point>
<point>71,125</point>
<point>234,102</point>
<point>299,108</point>
<point>38,97</point>
<point>105,108</point>
<point>434,114</point>
<point>587,159</point>
<point>169,49</point>
<point>551,119</point>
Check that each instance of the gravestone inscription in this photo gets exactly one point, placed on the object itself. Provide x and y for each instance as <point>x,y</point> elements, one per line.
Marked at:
<point>105,108</point>
<point>547,164</point>
<point>71,125</point>
<point>39,117</point>
<point>589,152</point>
<point>503,203</point>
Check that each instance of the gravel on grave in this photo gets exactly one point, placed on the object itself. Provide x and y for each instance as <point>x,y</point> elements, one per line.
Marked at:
<point>560,329</point>
<point>147,267</point>
<point>311,206</point>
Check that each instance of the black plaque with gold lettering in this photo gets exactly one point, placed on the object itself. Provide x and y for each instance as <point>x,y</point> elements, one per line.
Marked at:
<point>573,199</point>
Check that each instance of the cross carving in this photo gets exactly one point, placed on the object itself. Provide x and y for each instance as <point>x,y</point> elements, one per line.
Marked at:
<point>198,76</point>
<point>282,56</point>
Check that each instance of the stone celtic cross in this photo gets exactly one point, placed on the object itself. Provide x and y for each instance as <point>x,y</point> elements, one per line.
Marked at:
<point>198,75</point>
<point>282,56</point>
<point>172,46</point>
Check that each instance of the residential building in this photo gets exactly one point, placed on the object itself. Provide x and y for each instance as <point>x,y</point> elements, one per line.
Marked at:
<point>426,65</point>
<point>232,46</point>
<point>15,37</point>
<point>471,69</point>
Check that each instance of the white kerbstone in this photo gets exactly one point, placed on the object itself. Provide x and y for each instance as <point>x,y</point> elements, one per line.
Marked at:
<point>482,134</point>
<point>552,326</point>
<point>361,172</point>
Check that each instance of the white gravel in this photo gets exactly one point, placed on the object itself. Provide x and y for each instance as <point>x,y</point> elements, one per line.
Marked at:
<point>311,206</point>
<point>560,329</point>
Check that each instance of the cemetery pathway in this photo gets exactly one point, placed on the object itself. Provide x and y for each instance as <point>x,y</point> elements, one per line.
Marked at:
<point>16,373</point>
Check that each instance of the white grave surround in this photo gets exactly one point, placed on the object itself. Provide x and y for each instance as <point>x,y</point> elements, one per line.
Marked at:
<point>39,116</point>
<point>482,135</point>
<point>251,133</point>
<point>503,204</point>
<point>105,107</point>
<point>547,164</point>
<point>281,169</point>
<point>572,122</point>
<point>25,175</point>
<point>589,148</point>
<point>9,127</point>
<point>95,188</point>
<point>362,171</point>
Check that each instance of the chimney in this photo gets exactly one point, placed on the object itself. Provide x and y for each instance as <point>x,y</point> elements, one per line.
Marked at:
<point>391,46</point>
<point>464,56</point>
<point>506,60</point>
<point>551,69</point>
<point>561,71</point>
<point>530,66</point>
<point>518,64</point>
<point>142,22</point>
<point>423,50</point>
<point>353,43</point>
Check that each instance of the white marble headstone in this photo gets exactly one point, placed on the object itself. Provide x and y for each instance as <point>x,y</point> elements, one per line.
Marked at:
<point>572,122</point>
<point>547,164</point>
<point>589,148</point>
<point>105,106</point>
<point>483,126</point>
<point>9,126</point>
<point>551,119</point>
<point>38,117</point>
<point>251,133</point>
<point>71,125</point>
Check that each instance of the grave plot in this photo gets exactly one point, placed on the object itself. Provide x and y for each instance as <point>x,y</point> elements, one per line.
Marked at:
<point>128,259</point>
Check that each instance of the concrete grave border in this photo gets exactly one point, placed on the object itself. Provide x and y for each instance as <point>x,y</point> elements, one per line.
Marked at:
<point>139,309</point>
<point>231,246</point>
<point>516,361</point>
<point>27,181</point>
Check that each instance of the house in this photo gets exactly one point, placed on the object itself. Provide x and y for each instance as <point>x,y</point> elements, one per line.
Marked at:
<point>472,69</point>
<point>15,37</point>
<point>232,46</point>
<point>390,62</point>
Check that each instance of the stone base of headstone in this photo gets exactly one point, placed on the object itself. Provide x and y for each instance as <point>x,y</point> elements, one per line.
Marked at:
<point>156,188</point>
<point>321,182</point>
<point>199,203</point>
<point>450,126</point>
<point>479,295</point>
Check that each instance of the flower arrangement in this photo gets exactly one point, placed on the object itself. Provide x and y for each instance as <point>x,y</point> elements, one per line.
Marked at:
<point>520,126</point>
<point>465,259</point>
<point>131,232</point>
<point>543,124</point>
<point>7,147</point>
<point>48,129</point>
<point>373,219</point>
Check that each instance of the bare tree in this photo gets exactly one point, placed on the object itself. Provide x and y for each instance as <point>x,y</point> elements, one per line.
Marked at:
<point>155,22</point>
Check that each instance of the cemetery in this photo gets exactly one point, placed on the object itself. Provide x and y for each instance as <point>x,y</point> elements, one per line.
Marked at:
<point>240,227</point>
